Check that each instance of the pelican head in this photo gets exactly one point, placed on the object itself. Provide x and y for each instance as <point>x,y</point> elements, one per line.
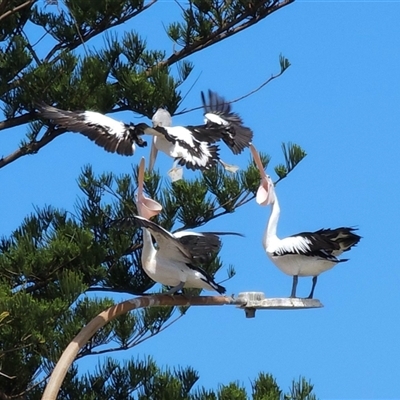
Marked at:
<point>265,192</point>
<point>161,118</point>
<point>146,207</point>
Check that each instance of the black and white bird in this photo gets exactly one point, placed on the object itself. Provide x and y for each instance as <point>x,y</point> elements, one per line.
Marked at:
<point>178,143</point>
<point>224,124</point>
<point>176,260</point>
<point>220,123</point>
<point>114,136</point>
<point>306,253</point>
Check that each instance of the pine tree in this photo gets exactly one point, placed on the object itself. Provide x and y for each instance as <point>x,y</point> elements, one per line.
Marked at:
<point>54,258</point>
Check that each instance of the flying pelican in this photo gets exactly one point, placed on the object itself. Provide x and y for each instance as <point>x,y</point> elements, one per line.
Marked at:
<point>175,261</point>
<point>306,253</point>
<point>114,136</point>
<point>179,143</point>
<point>220,123</point>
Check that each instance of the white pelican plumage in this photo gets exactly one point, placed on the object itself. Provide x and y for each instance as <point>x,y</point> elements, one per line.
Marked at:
<point>306,253</point>
<point>220,123</point>
<point>175,261</point>
<point>180,143</point>
<point>114,136</point>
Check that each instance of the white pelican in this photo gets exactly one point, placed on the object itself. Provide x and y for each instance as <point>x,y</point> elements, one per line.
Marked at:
<point>175,261</point>
<point>179,143</point>
<point>306,253</point>
<point>220,123</point>
<point>114,136</point>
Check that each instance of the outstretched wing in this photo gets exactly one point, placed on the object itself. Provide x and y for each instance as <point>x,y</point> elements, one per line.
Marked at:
<point>202,245</point>
<point>168,245</point>
<point>114,136</point>
<point>218,114</point>
<point>189,151</point>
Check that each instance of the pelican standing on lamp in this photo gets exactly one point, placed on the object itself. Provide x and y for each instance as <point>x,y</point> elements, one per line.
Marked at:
<point>306,253</point>
<point>175,261</point>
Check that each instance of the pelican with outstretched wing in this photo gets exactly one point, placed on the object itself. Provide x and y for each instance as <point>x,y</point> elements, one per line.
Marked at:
<point>114,136</point>
<point>177,259</point>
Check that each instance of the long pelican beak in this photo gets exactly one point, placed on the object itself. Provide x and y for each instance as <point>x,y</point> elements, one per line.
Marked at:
<point>147,207</point>
<point>264,195</point>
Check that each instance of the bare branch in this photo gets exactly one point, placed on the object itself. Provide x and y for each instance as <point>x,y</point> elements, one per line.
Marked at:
<point>271,78</point>
<point>16,9</point>
<point>11,122</point>
<point>7,376</point>
<point>32,147</point>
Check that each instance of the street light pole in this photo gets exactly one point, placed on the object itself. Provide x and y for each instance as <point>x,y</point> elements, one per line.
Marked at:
<point>249,301</point>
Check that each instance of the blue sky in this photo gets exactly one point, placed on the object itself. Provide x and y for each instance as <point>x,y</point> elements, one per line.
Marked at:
<point>340,101</point>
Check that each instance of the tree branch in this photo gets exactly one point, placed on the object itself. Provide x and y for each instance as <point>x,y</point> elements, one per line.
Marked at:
<point>220,34</point>
<point>16,121</point>
<point>32,147</point>
<point>17,8</point>
<point>99,29</point>
<point>271,78</point>
<point>135,343</point>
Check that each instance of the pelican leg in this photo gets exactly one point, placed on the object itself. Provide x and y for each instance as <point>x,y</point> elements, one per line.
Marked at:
<point>175,288</point>
<point>294,286</point>
<point>314,282</point>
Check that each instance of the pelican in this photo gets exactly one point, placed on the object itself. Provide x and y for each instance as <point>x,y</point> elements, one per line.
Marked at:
<point>175,261</point>
<point>179,143</point>
<point>114,136</point>
<point>220,123</point>
<point>306,253</point>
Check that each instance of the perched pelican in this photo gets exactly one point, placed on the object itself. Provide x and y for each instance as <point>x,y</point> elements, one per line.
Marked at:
<point>114,136</point>
<point>175,261</point>
<point>306,253</point>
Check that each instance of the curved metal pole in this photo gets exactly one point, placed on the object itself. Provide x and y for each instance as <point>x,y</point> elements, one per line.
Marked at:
<point>69,354</point>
